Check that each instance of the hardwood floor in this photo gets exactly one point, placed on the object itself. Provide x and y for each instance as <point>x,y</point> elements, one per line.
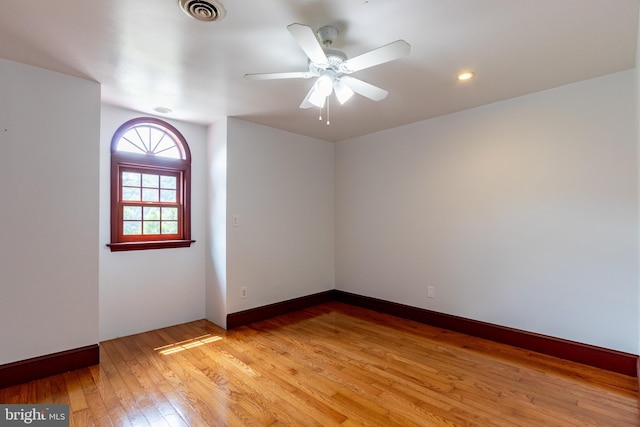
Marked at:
<point>332,364</point>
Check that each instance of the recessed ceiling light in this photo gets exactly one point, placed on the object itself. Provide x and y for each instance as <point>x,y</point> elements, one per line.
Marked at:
<point>466,75</point>
<point>162,110</point>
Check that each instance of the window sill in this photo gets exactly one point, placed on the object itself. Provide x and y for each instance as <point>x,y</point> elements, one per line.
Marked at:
<point>160,244</point>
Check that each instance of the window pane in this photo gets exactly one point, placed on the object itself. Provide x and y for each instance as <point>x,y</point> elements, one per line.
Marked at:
<point>168,196</point>
<point>131,143</point>
<point>132,213</point>
<point>156,136</point>
<point>168,149</point>
<point>145,139</point>
<point>150,181</point>
<point>130,193</point>
<point>151,213</point>
<point>169,227</point>
<point>169,214</point>
<point>149,195</point>
<point>132,227</point>
<point>168,182</point>
<point>131,179</point>
<point>164,145</point>
<point>152,227</point>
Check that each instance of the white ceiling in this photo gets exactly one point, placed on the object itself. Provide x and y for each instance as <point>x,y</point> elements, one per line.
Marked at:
<point>148,53</point>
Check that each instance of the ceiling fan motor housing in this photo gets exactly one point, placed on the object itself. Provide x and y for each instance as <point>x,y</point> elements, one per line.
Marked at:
<point>333,66</point>
<point>335,56</point>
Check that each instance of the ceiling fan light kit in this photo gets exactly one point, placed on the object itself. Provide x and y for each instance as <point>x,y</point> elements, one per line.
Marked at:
<point>343,92</point>
<point>331,68</point>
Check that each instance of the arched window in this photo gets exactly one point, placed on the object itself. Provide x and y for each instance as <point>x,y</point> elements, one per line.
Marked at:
<point>150,187</point>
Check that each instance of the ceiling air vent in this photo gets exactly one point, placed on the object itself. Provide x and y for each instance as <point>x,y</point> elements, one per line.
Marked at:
<point>203,10</point>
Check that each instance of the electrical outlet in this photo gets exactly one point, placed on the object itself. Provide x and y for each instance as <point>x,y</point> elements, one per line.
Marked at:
<point>243,292</point>
<point>431,292</point>
<point>235,220</point>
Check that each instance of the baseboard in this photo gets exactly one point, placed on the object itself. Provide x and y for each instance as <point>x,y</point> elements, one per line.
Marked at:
<point>245,317</point>
<point>611,360</point>
<point>52,364</point>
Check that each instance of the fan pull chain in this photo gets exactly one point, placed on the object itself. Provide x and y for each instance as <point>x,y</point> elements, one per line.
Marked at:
<point>320,116</point>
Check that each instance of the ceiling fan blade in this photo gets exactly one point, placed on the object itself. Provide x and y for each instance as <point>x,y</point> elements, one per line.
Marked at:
<point>308,42</point>
<point>390,52</point>
<point>365,89</point>
<point>272,76</point>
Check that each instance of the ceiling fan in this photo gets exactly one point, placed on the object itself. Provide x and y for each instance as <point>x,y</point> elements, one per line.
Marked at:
<point>332,69</point>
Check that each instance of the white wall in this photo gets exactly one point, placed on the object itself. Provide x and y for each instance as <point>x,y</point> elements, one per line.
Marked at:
<point>216,265</point>
<point>150,289</point>
<point>522,213</point>
<point>49,139</point>
<point>282,187</point>
<point>637,93</point>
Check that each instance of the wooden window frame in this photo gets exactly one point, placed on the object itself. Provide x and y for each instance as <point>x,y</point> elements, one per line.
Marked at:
<point>157,165</point>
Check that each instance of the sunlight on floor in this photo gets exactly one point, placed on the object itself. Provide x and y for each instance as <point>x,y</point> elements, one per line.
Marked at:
<point>187,344</point>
